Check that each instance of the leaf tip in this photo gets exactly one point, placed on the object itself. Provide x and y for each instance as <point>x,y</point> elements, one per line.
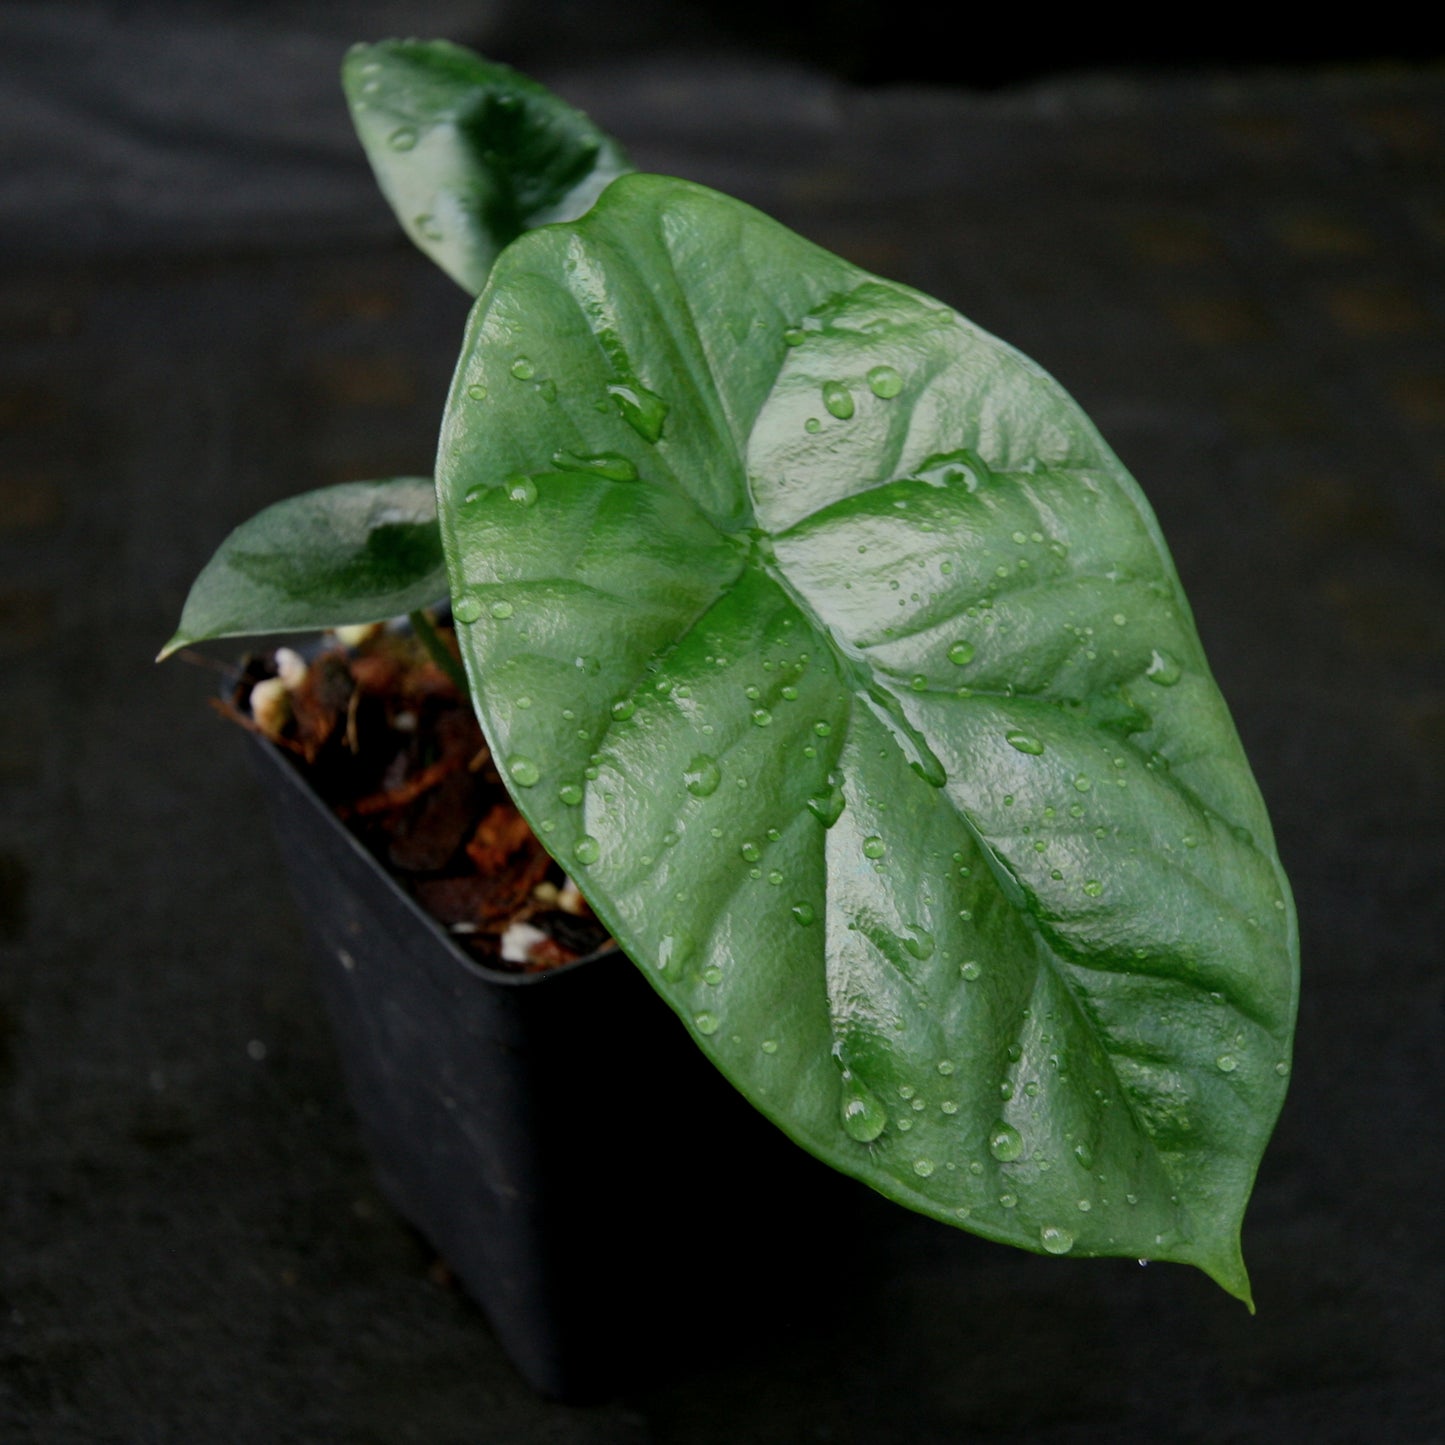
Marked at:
<point>174,645</point>
<point>1228,1271</point>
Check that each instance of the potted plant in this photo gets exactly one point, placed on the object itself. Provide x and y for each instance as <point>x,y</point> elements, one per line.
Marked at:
<point>823,641</point>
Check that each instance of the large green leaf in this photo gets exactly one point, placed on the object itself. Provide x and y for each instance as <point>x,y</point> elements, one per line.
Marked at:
<point>823,638</point>
<point>357,552</point>
<point>469,153</point>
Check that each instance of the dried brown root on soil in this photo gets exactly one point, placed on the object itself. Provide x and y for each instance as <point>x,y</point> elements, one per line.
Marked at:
<point>386,739</point>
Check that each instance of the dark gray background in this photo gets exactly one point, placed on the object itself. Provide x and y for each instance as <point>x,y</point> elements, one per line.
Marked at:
<point>204,306</point>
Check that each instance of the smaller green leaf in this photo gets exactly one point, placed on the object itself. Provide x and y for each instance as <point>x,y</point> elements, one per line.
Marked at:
<point>353,553</point>
<point>469,153</point>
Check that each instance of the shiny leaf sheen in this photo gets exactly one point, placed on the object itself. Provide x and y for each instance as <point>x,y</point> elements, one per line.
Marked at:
<point>353,553</point>
<point>979,902</point>
<point>469,153</point>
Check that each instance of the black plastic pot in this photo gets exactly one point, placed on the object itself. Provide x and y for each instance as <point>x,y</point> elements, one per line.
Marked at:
<point>585,1172</point>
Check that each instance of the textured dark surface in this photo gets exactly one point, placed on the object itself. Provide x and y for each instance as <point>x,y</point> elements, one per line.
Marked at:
<point>1240,278</point>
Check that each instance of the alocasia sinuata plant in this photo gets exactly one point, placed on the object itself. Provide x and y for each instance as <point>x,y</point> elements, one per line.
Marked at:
<point>822,638</point>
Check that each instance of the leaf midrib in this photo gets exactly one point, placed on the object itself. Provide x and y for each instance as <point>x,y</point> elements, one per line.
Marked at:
<point>852,663</point>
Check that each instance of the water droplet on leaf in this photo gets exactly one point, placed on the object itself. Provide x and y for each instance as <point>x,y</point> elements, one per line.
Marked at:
<point>644,411</point>
<point>827,807</point>
<point>884,381</point>
<point>838,400</point>
<point>864,1118</point>
<point>919,942</point>
<point>674,952</point>
<point>1005,1143</point>
<point>524,772</point>
<point>702,776</point>
<point>952,469</point>
<point>611,465</point>
<point>1164,668</point>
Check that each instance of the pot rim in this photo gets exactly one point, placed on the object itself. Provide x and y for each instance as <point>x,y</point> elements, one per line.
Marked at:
<point>277,758</point>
